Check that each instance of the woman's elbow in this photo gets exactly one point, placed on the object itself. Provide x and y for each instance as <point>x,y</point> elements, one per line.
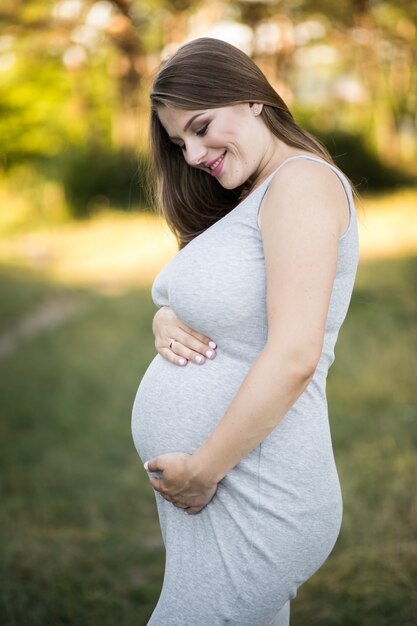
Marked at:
<point>298,360</point>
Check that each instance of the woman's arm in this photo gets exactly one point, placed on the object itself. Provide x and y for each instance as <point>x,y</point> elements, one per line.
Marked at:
<point>302,217</point>
<point>179,343</point>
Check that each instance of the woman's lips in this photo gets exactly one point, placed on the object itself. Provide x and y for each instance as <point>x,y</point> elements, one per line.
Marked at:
<point>216,166</point>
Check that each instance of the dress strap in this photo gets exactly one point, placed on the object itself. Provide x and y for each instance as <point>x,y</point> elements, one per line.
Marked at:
<point>346,185</point>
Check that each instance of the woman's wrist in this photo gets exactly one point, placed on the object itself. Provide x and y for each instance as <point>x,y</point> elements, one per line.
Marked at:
<point>203,467</point>
<point>155,321</point>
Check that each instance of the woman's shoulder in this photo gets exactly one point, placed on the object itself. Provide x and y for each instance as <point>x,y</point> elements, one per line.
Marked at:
<point>307,178</point>
<point>305,164</point>
<point>305,172</point>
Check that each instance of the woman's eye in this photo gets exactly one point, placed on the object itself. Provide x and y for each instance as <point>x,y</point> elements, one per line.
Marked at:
<point>202,131</point>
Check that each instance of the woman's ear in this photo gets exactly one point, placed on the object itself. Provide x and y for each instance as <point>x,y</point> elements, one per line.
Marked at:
<point>256,108</point>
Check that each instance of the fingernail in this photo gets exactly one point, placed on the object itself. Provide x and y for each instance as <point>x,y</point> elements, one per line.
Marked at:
<point>182,361</point>
<point>209,354</point>
<point>212,345</point>
<point>199,359</point>
<point>145,465</point>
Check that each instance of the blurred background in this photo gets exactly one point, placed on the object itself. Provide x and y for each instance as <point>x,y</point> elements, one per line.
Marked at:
<point>80,245</point>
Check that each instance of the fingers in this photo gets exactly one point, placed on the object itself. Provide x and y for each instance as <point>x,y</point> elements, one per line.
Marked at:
<point>153,465</point>
<point>156,484</point>
<point>169,354</point>
<point>178,342</point>
<point>204,341</point>
<point>176,502</point>
<point>197,343</point>
<point>190,510</point>
<point>165,322</point>
<point>186,346</point>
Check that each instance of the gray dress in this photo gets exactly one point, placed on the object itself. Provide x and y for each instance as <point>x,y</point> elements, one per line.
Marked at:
<point>276,515</point>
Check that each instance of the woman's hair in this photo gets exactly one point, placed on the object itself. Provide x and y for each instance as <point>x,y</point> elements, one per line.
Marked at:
<point>205,74</point>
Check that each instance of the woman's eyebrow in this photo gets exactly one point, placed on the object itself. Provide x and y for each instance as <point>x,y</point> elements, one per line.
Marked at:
<point>191,120</point>
<point>188,124</point>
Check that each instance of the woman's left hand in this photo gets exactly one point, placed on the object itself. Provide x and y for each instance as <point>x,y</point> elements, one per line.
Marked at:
<point>181,483</point>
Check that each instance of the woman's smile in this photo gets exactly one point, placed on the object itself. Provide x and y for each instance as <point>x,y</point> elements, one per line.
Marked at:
<point>216,166</point>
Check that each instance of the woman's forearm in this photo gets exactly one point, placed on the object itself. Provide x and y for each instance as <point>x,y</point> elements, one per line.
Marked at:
<point>269,390</point>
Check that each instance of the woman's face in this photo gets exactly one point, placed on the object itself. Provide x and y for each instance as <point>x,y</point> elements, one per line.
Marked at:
<point>229,143</point>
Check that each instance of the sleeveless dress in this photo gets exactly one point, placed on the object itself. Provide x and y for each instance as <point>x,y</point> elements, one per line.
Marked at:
<point>276,515</point>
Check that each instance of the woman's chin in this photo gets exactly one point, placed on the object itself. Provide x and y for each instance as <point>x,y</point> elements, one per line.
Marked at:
<point>231,185</point>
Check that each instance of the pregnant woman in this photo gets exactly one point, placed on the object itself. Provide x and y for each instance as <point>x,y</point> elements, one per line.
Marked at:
<point>238,447</point>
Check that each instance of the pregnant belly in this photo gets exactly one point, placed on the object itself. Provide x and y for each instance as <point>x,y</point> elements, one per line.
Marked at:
<point>176,408</point>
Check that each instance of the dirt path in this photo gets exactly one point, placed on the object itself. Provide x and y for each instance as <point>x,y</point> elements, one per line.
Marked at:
<point>50,315</point>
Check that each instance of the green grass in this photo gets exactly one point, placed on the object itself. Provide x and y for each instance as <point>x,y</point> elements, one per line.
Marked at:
<point>81,541</point>
<point>80,536</point>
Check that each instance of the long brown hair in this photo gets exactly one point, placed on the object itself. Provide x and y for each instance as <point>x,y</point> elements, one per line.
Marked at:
<point>204,74</point>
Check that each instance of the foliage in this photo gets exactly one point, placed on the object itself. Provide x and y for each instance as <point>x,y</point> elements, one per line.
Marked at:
<point>94,176</point>
<point>43,109</point>
<point>74,78</point>
<point>361,164</point>
<point>29,125</point>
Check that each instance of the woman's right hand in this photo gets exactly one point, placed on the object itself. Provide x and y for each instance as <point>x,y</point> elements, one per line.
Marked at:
<point>179,343</point>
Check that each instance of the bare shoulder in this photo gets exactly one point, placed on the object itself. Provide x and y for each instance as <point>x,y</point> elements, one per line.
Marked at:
<point>306,185</point>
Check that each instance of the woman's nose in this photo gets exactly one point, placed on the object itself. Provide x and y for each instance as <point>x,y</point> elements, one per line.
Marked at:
<point>195,154</point>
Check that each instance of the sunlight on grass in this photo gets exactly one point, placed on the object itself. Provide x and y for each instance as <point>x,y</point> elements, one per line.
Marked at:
<point>388,226</point>
<point>110,252</point>
<point>114,251</point>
